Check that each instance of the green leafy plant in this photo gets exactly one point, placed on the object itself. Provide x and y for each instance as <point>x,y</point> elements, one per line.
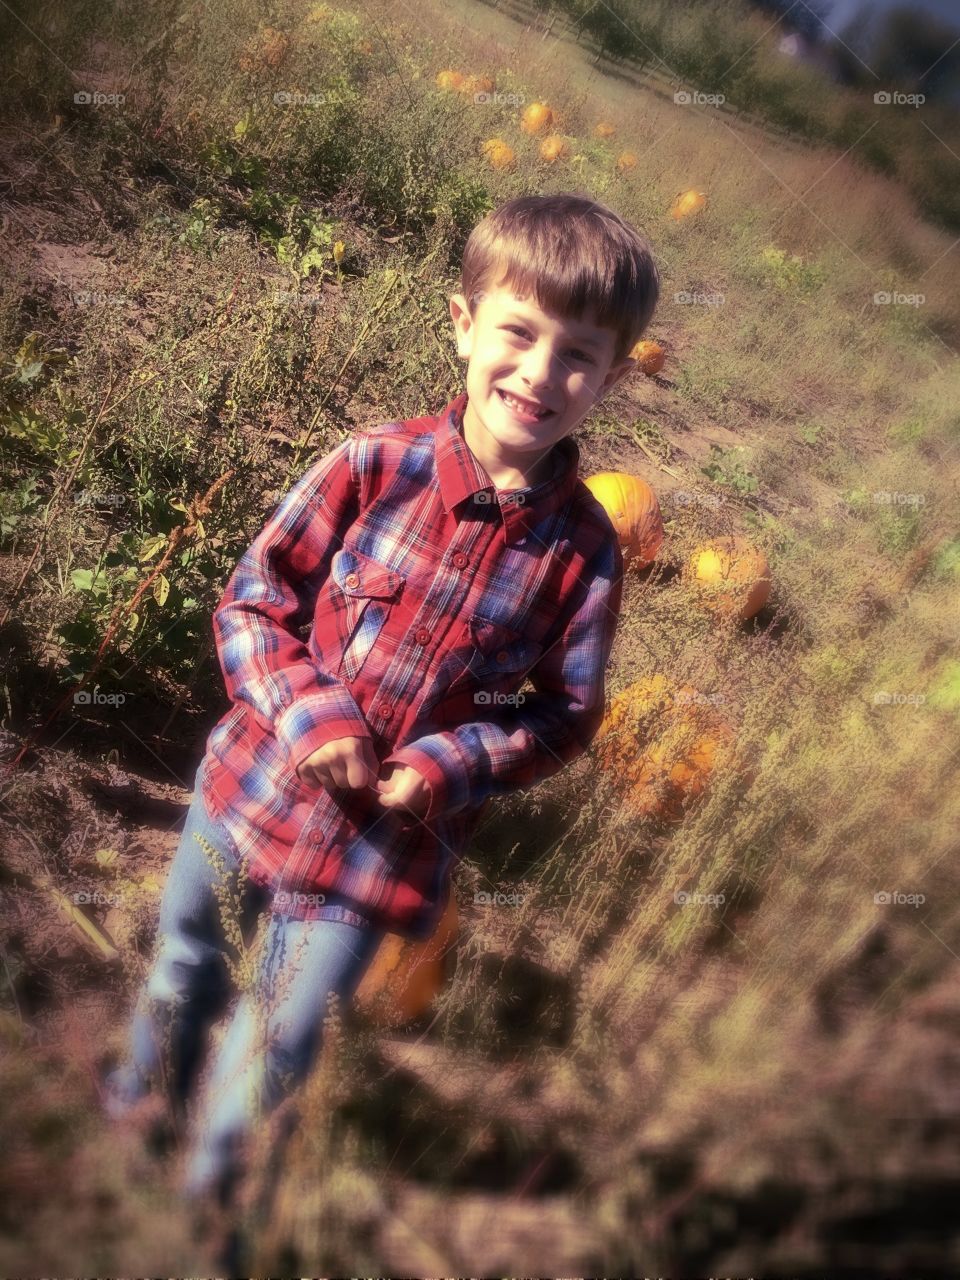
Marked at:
<point>789,271</point>
<point>726,467</point>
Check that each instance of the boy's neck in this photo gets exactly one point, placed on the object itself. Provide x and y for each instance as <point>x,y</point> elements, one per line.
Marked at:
<point>532,469</point>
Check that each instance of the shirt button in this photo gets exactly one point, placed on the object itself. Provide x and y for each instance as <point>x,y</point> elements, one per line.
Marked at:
<point>422,636</point>
<point>460,560</point>
<point>385,710</point>
<point>352,580</point>
<point>502,655</point>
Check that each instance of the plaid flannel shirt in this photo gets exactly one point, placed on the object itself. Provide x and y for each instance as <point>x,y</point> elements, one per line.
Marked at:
<point>396,594</point>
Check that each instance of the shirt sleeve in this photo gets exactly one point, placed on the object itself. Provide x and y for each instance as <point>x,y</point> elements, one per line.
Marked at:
<point>516,747</point>
<point>270,594</point>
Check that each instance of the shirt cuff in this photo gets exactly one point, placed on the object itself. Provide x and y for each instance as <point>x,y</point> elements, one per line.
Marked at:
<point>311,722</point>
<point>448,782</point>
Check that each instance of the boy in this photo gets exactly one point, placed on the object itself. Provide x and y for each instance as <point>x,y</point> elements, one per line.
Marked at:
<point>435,563</point>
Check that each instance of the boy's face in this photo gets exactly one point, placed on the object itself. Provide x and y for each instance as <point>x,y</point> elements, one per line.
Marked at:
<point>515,349</point>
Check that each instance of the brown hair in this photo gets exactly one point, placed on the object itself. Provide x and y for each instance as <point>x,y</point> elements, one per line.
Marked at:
<point>570,253</point>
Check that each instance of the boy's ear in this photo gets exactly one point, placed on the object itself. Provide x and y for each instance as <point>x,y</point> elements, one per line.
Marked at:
<point>462,324</point>
<point>617,372</point>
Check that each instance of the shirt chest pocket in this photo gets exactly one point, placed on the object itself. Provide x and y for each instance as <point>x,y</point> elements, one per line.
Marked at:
<point>493,657</point>
<point>363,590</point>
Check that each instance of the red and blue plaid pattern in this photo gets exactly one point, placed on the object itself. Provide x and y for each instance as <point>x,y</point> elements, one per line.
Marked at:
<point>395,593</point>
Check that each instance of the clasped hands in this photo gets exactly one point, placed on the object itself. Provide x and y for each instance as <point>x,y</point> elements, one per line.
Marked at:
<point>351,762</point>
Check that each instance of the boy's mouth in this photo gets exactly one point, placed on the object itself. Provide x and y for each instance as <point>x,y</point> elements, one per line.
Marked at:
<point>526,410</point>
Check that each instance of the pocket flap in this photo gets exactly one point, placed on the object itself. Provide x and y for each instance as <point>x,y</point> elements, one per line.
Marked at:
<point>502,648</point>
<point>358,574</point>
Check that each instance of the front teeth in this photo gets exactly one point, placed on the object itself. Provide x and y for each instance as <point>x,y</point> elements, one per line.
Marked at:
<point>522,407</point>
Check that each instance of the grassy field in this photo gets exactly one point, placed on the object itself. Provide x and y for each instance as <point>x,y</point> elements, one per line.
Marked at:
<point>726,1045</point>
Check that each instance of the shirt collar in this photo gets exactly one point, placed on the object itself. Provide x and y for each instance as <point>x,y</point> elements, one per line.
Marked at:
<point>461,475</point>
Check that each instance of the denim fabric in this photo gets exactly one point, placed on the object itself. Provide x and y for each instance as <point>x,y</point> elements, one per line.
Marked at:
<point>276,1031</point>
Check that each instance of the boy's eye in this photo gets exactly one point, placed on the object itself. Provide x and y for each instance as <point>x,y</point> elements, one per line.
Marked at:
<point>512,328</point>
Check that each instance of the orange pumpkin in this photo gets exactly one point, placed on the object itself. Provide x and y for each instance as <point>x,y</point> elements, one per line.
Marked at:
<point>498,153</point>
<point>627,160</point>
<point>555,147</point>
<point>732,577</point>
<point>635,512</point>
<point>604,129</point>
<point>663,739</point>
<point>687,203</point>
<point>448,80</point>
<point>650,357</point>
<point>406,974</point>
<point>537,117</point>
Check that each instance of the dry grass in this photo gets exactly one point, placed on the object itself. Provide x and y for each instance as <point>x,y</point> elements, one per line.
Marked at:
<point>734,1081</point>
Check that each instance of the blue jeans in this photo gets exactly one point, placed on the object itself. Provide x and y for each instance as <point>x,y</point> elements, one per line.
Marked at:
<point>276,1031</point>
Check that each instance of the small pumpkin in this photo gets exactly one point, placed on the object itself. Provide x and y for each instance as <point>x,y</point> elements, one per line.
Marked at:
<point>663,739</point>
<point>687,203</point>
<point>604,129</point>
<point>498,153</point>
<point>635,512</point>
<point>449,80</point>
<point>627,160</point>
<point>650,357</point>
<point>732,575</point>
<point>406,974</point>
<point>537,117</point>
<point>555,147</point>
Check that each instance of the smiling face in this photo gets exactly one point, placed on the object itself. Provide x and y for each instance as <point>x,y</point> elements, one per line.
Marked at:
<point>532,377</point>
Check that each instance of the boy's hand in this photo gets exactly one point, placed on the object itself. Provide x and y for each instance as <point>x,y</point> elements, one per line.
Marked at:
<point>405,789</point>
<point>343,762</point>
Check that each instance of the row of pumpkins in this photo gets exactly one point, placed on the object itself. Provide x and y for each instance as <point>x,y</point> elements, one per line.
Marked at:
<point>660,737</point>
<point>539,118</point>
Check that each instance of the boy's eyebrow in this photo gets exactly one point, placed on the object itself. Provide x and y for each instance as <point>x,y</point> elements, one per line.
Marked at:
<point>586,339</point>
